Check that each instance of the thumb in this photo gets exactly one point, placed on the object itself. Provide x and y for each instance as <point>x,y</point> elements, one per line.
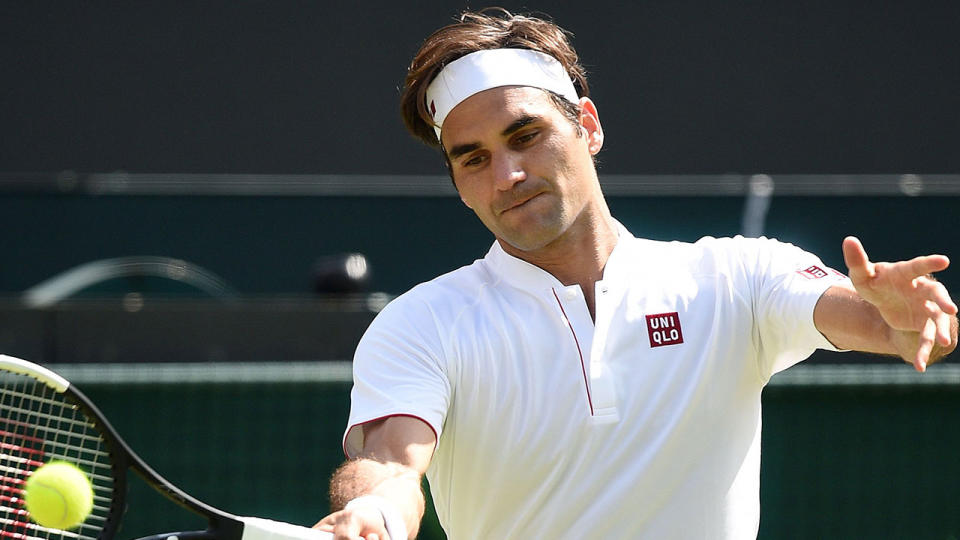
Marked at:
<point>858,264</point>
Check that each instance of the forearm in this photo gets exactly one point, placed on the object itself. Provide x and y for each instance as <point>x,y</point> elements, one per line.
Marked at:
<point>398,484</point>
<point>850,322</point>
<point>396,453</point>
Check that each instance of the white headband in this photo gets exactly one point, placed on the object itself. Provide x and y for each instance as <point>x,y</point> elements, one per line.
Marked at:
<point>483,70</point>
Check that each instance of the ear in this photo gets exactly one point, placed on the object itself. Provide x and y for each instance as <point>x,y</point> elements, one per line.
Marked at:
<point>446,161</point>
<point>459,193</point>
<point>590,123</point>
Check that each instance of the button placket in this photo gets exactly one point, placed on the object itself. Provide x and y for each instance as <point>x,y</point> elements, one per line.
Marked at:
<point>577,318</point>
<point>601,378</point>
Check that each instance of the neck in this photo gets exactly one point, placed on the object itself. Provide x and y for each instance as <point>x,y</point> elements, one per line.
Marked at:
<point>579,256</point>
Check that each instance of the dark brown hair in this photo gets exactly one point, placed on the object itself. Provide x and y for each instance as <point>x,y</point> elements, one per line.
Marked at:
<point>491,28</point>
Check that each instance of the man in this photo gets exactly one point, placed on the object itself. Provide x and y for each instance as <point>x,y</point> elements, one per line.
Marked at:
<point>578,382</point>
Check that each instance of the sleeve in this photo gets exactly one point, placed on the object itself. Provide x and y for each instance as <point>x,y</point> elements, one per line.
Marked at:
<point>788,282</point>
<point>398,370</point>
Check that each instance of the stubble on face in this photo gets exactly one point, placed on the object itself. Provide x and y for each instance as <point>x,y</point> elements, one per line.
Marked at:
<point>529,196</point>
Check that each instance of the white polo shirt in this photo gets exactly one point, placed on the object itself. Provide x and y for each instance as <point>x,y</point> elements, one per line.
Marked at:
<point>643,424</point>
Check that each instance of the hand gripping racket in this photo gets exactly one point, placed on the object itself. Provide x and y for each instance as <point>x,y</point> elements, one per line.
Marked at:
<point>44,418</point>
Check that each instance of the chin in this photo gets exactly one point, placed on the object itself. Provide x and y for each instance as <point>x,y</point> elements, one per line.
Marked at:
<point>533,234</point>
<point>525,247</point>
<point>530,242</point>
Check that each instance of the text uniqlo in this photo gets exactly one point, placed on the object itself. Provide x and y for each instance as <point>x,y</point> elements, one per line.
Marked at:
<point>664,329</point>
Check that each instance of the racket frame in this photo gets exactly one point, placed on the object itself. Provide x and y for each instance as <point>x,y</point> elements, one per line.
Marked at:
<point>221,525</point>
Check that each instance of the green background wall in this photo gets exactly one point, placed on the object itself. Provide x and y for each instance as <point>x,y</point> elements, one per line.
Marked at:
<point>839,461</point>
<point>267,245</point>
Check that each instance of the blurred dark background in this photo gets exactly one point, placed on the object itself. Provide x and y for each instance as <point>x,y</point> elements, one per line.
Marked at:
<point>210,168</point>
<point>311,87</point>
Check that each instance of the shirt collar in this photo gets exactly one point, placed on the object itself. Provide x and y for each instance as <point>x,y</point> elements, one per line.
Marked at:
<point>523,275</point>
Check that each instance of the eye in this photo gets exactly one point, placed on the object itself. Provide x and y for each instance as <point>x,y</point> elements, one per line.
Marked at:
<point>525,138</point>
<point>474,161</point>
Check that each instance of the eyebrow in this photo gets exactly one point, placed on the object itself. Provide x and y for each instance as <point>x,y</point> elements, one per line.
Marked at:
<point>517,124</point>
<point>462,149</point>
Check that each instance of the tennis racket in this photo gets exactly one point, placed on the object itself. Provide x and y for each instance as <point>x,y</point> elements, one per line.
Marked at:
<point>43,418</point>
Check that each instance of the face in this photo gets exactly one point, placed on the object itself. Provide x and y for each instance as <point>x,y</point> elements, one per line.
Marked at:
<point>523,167</point>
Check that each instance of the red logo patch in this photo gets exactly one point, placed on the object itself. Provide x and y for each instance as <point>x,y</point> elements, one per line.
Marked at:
<point>664,329</point>
<point>433,108</point>
<point>814,272</point>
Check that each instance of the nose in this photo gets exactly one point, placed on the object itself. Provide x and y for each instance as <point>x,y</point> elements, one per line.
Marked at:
<point>508,168</point>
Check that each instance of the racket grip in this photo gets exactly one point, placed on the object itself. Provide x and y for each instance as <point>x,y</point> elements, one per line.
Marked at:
<point>265,529</point>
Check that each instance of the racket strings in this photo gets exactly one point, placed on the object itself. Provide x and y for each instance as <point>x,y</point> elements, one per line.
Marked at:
<point>39,425</point>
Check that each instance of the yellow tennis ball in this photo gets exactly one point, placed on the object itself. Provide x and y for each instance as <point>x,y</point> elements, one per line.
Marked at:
<point>58,495</point>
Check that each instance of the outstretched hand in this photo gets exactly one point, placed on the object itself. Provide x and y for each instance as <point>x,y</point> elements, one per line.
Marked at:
<point>916,307</point>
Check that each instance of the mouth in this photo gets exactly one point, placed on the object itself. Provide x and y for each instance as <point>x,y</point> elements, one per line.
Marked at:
<point>520,202</point>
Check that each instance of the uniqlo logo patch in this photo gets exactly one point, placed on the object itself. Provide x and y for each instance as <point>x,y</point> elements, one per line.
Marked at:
<point>814,272</point>
<point>664,329</point>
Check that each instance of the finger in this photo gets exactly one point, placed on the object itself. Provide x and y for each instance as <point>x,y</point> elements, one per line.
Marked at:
<point>940,295</point>
<point>941,322</point>
<point>859,265</point>
<point>936,294</point>
<point>346,526</point>
<point>943,329</point>
<point>927,264</point>
<point>360,523</point>
<point>925,345</point>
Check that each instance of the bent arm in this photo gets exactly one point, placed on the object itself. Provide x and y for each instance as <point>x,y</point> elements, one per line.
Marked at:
<point>890,308</point>
<point>850,322</point>
<point>396,453</point>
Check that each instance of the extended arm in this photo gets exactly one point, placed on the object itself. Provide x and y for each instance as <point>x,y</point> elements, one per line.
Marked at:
<point>396,453</point>
<point>890,308</point>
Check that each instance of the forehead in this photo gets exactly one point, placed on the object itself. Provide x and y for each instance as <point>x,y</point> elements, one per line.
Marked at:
<point>492,110</point>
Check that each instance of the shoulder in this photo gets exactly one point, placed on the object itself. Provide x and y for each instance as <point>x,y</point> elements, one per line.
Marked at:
<point>694,253</point>
<point>703,245</point>
<point>440,301</point>
<point>711,255</point>
<point>739,244</point>
<point>447,291</point>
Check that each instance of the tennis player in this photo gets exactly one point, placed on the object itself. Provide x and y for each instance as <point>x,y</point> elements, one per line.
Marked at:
<point>578,382</point>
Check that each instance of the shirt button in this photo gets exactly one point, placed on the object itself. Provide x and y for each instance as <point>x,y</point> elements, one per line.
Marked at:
<point>571,293</point>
